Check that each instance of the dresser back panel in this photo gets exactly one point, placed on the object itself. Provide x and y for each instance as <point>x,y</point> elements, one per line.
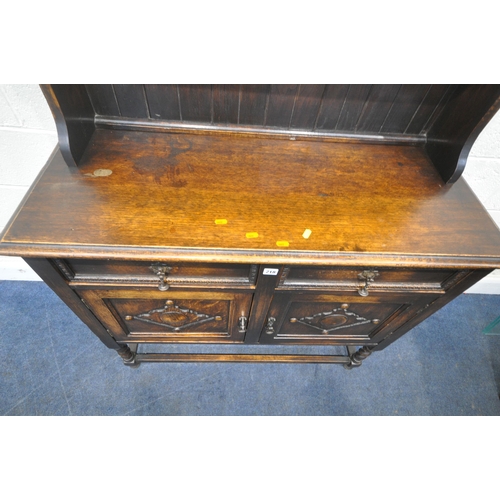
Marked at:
<point>446,119</point>
<point>360,109</point>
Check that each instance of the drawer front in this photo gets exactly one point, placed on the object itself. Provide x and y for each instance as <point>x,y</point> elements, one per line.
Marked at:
<point>157,274</point>
<point>153,316</point>
<point>376,279</point>
<point>335,319</point>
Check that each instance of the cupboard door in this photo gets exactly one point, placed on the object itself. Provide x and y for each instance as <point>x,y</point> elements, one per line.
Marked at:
<point>306,318</point>
<point>153,316</point>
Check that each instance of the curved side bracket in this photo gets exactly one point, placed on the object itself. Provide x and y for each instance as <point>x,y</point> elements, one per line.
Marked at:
<point>74,117</point>
<point>452,135</point>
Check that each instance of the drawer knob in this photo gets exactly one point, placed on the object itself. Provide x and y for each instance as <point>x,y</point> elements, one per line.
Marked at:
<point>270,326</point>
<point>161,270</point>
<point>242,324</point>
<point>366,277</point>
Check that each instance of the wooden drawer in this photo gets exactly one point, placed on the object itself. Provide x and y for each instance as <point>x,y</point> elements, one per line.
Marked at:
<point>114,272</point>
<point>158,317</point>
<point>379,279</point>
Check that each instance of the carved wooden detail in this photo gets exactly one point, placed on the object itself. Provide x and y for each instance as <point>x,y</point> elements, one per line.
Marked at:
<point>64,268</point>
<point>159,274</point>
<point>284,276</point>
<point>358,357</point>
<point>174,317</point>
<point>334,319</point>
<point>126,354</point>
<point>455,279</point>
<point>375,287</point>
<point>252,278</point>
<point>181,156</point>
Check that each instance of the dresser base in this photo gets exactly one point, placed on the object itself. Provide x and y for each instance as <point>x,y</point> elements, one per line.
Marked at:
<point>352,359</point>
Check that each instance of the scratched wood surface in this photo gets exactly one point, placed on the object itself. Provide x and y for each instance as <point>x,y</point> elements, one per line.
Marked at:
<point>253,194</point>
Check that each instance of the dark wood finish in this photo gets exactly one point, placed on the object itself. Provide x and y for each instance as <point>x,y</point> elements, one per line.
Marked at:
<point>354,108</point>
<point>266,285</point>
<point>306,107</point>
<point>253,102</point>
<point>349,278</point>
<point>239,358</point>
<point>332,104</point>
<point>45,269</point>
<point>258,214</point>
<point>430,107</point>
<point>74,117</point>
<point>447,118</point>
<point>183,317</point>
<point>281,105</point>
<point>85,272</point>
<point>126,354</point>
<point>226,103</point>
<point>347,319</point>
<point>463,281</point>
<point>377,108</point>
<point>196,103</point>
<point>404,108</point>
<point>163,102</point>
<point>450,138</point>
<point>358,357</point>
<point>132,101</point>
<point>164,192</point>
<point>103,100</point>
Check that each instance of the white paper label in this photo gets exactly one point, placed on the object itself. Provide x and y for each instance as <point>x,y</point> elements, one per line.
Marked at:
<point>270,272</point>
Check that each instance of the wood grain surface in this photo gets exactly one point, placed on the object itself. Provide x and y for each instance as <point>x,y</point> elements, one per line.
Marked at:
<point>158,190</point>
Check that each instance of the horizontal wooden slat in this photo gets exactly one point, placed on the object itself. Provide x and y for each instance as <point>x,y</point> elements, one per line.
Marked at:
<point>238,358</point>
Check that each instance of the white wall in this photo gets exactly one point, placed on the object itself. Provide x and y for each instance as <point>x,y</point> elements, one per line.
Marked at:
<point>28,136</point>
<point>482,173</point>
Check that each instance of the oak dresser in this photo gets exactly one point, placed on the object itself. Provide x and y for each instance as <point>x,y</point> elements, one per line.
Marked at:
<point>304,215</point>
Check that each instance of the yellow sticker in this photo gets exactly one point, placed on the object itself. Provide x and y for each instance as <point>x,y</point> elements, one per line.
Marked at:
<point>220,222</point>
<point>252,235</point>
<point>282,243</point>
<point>306,233</point>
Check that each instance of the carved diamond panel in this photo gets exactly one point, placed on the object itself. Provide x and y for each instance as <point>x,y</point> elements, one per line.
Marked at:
<point>334,319</point>
<point>174,317</point>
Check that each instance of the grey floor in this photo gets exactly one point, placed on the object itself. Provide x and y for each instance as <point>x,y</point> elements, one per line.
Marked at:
<point>51,364</point>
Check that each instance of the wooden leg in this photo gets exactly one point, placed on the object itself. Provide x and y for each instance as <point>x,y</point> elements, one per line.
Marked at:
<point>358,357</point>
<point>128,354</point>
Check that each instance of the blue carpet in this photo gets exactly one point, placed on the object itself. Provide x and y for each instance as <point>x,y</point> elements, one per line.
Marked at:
<point>51,364</point>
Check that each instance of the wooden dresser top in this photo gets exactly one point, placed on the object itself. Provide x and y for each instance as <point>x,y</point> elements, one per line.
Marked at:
<point>230,197</point>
